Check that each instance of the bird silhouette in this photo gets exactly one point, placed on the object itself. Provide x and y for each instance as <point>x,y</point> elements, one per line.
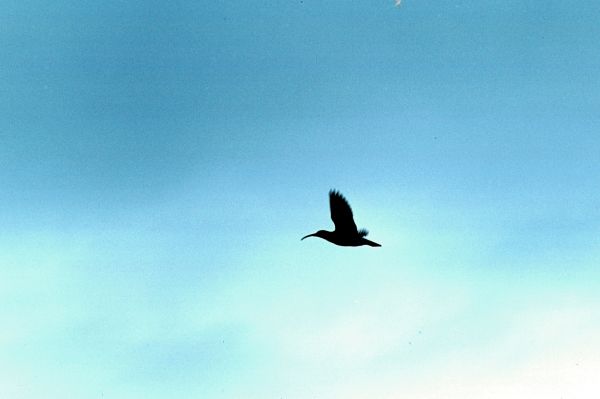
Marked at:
<point>345,234</point>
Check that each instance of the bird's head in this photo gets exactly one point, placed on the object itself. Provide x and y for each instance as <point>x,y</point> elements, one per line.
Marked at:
<point>320,233</point>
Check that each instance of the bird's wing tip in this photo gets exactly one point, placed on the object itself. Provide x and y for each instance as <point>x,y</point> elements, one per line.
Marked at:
<point>336,193</point>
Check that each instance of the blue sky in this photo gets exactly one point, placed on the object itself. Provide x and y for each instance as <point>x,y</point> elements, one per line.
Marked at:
<point>160,161</point>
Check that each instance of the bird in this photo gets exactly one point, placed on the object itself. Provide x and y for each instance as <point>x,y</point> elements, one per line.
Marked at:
<point>345,234</point>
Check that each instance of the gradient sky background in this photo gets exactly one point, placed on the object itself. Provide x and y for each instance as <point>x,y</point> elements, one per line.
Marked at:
<point>160,161</point>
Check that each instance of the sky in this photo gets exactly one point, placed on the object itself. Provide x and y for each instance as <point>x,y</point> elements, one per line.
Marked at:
<point>160,161</point>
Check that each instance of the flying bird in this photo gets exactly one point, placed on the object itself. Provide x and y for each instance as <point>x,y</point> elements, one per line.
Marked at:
<point>345,234</point>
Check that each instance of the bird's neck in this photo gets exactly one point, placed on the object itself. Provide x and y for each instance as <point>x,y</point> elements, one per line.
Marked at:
<point>330,236</point>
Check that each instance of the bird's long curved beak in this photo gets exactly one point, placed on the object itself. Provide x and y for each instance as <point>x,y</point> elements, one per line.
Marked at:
<point>310,235</point>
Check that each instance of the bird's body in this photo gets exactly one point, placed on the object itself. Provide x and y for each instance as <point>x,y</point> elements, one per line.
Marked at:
<point>345,234</point>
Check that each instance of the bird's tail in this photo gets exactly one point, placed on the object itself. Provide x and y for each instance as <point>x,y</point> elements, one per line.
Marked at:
<point>371,243</point>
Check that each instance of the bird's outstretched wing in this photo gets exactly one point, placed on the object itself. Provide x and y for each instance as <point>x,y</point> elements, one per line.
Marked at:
<point>341,213</point>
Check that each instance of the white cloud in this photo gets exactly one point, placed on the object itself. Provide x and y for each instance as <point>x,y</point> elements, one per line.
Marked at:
<point>544,353</point>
